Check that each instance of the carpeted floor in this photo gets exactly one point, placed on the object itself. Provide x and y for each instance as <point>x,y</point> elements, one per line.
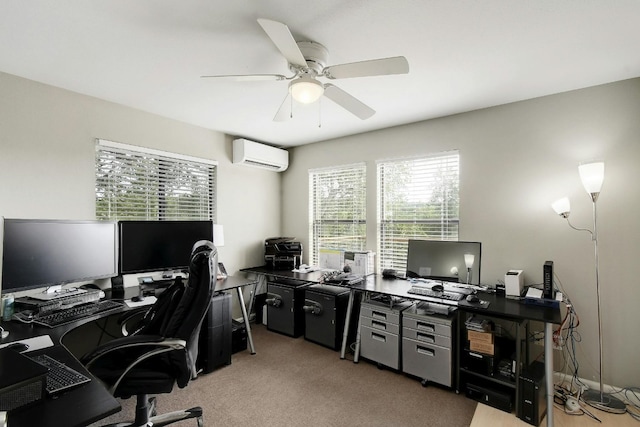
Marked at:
<point>294,382</point>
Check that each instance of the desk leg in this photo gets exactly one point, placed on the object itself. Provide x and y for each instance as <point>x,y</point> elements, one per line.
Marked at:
<point>245,316</point>
<point>356,353</point>
<point>347,321</point>
<point>548,370</point>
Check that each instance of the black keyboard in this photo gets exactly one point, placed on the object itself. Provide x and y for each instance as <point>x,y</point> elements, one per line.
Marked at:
<point>428,292</point>
<point>60,377</point>
<point>77,312</point>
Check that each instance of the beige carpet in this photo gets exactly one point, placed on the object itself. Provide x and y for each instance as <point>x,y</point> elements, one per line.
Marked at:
<point>294,382</point>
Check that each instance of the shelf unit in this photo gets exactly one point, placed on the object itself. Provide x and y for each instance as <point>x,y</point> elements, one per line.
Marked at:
<point>479,373</point>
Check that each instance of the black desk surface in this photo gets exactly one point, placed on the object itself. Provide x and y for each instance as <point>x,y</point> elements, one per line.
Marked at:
<point>89,402</point>
<point>499,306</point>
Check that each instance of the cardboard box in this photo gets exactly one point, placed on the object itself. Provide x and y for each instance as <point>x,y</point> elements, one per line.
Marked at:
<point>480,337</point>
<point>482,347</point>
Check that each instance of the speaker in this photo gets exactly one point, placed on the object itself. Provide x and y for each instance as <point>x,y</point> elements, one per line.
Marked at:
<point>547,280</point>
<point>117,286</point>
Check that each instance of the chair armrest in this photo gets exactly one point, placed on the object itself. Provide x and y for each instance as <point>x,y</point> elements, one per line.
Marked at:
<point>150,346</point>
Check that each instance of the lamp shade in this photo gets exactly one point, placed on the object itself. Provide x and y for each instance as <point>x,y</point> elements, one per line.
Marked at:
<point>306,90</point>
<point>468,260</point>
<point>562,206</point>
<point>218,235</point>
<point>592,175</point>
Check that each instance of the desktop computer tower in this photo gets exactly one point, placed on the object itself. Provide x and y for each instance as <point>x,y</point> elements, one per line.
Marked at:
<point>285,299</point>
<point>214,346</point>
<point>533,402</point>
<point>325,308</point>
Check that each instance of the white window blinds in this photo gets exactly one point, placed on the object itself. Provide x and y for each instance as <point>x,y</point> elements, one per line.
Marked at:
<point>337,211</point>
<point>417,199</point>
<point>137,183</point>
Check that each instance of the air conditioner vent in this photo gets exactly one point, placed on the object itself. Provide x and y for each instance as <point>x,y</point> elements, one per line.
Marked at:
<point>250,153</point>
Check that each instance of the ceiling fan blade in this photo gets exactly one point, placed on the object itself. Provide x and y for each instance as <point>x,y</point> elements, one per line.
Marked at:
<point>373,67</point>
<point>347,102</point>
<point>283,113</point>
<point>247,77</point>
<point>283,39</point>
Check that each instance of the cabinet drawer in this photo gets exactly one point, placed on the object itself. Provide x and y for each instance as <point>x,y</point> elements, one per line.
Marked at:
<point>427,325</point>
<point>429,362</point>
<point>380,325</point>
<point>379,313</point>
<point>379,346</point>
<point>426,337</point>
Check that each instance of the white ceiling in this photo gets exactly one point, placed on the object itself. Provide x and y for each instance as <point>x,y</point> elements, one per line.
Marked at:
<point>463,55</point>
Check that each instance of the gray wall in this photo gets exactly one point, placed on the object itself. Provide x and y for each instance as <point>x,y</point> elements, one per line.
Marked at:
<point>47,162</point>
<point>517,159</point>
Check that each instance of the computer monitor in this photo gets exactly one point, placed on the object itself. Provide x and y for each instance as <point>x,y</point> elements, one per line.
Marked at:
<point>159,245</point>
<point>444,260</point>
<point>41,253</point>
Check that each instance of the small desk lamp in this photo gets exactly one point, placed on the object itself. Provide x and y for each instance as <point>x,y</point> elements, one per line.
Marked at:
<point>592,176</point>
<point>468,261</point>
<point>218,241</point>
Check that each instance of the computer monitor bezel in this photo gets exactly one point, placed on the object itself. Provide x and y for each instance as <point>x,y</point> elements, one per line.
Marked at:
<point>126,242</point>
<point>453,247</point>
<point>8,285</point>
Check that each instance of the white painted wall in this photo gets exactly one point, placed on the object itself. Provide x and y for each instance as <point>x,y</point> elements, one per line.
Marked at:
<point>47,163</point>
<point>516,160</point>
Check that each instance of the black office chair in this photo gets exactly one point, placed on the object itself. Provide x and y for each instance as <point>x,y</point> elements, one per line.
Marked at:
<point>162,350</point>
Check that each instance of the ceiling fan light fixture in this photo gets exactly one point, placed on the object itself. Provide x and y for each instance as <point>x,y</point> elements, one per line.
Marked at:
<point>306,90</point>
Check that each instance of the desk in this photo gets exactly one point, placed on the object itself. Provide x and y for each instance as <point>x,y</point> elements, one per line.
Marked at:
<point>90,402</point>
<point>498,306</point>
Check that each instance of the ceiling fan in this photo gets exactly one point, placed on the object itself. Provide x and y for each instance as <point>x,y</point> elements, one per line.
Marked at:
<point>308,62</point>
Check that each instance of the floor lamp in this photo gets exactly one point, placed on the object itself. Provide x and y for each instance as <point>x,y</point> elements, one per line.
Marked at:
<point>592,176</point>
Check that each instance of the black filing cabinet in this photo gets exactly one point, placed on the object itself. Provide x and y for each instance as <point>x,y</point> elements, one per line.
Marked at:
<point>325,307</point>
<point>214,345</point>
<point>285,299</point>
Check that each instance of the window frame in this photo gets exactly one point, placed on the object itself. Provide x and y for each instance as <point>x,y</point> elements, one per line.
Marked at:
<point>393,254</point>
<point>316,242</point>
<point>157,178</point>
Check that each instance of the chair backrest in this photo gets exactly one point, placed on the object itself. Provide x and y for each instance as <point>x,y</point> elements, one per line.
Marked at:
<point>181,308</point>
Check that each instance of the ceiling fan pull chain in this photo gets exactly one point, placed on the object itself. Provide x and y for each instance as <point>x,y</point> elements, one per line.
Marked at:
<point>291,107</point>
<point>319,113</point>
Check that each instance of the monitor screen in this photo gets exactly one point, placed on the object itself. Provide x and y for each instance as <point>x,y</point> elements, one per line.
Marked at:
<point>159,245</point>
<point>444,260</point>
<point>41,253</point>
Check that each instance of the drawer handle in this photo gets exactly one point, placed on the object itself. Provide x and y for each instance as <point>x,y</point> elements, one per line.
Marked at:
<point>378,337</point>
<point>379,315</point>
<point>379,325</point>
<point>427,326</point>
<point>426,337</point>
<point>426,351</point>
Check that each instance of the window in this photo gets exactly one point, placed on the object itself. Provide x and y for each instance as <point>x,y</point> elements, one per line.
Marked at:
<point>137,183</point>
<point>337,211</point>
<point>417,199</point>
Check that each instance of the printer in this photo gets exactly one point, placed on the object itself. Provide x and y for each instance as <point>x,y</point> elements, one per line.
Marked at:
<point>282,253</point>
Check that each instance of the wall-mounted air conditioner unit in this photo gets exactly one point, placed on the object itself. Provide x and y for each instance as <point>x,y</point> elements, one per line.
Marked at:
<point>258,155</point>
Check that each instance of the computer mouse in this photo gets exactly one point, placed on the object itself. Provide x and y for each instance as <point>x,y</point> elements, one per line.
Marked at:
<point>18,346</point>
<point>437,288</point>
<point>137,298</point>
<point>473,298</point>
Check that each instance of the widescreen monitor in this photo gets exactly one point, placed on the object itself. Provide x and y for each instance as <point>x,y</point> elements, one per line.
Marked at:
<point>444,260</point>
<point>159,245</point>
<point>40,253</point>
